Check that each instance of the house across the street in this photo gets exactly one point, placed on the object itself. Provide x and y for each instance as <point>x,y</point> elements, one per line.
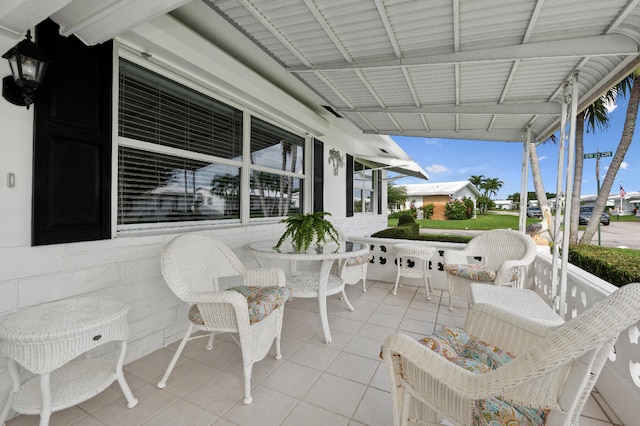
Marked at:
<point>439,194</point>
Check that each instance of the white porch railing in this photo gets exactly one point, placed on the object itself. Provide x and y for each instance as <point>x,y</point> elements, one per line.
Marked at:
<point>619,382</point>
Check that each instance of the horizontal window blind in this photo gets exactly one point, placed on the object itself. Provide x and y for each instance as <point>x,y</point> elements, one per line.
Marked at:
<point>157,110</point>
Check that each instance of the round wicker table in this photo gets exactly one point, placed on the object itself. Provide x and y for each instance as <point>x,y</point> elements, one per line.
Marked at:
<point>45,339</point>
<point>312,284</point>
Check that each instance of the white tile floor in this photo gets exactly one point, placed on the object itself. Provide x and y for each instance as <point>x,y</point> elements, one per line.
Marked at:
<point>343,383</point>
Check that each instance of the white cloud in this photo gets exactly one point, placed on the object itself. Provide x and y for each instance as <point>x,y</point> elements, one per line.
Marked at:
<point>542,157</point>
<point>610,106</point>
<point>436,169</point>
<point>432,142</point>
<point>624,165</point>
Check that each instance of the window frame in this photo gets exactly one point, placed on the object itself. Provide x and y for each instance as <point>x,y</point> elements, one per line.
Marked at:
<point>245,165</point>
<point>374,188</point>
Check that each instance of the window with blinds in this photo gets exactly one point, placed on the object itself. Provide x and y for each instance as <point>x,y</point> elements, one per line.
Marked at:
<point>180,156</point>
<point>173,175</point>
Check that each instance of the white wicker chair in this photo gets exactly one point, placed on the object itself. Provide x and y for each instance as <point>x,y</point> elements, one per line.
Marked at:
<point>354,269</point>
<point>503,251</point>
<point>555,367</point>
<point>192,265</point>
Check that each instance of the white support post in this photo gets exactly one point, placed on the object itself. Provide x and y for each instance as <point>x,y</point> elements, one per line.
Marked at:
<point>522,224</point>
<point>569,191</point>
<point>564,189</point>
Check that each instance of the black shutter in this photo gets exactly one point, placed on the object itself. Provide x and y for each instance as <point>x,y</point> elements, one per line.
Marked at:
<point>349,185</point>
<point>72,141</point>
<point>318,176</point>
<point>379,178</point>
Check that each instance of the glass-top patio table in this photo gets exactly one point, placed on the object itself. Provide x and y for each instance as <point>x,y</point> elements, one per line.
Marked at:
<point>308,284</point>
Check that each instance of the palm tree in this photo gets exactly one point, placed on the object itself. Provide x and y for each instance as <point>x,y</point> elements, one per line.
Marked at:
<point>594,117</point>
<point>491,186</point>
<point>536,174</point>
<point>621,150</point>
<point>477,180</point>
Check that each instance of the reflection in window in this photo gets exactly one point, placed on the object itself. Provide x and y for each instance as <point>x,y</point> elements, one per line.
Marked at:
<point>275,192</point>
<point>362,188</point>
<point>162,188</point>
<point>276,148</point>
<point>274,195</point>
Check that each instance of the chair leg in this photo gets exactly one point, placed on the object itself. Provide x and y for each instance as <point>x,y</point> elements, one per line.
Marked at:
<point>395,288</point>
<point>427,286</point>
<point>450,301</point>
<point>210,342</point>
<point>364,279</point>
<point>163,382</point>
<point>346,301</point>
<point>247,383</point>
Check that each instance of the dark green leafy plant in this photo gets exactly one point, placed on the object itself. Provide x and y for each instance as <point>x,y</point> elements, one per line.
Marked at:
<point>427,210</point>
<point>304,229</point>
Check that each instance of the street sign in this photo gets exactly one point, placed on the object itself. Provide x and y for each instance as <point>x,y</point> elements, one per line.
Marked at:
<point>598,155</point>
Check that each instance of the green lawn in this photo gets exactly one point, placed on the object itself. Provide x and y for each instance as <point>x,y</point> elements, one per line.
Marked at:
<point>491,221</point>
<point>482,223</point>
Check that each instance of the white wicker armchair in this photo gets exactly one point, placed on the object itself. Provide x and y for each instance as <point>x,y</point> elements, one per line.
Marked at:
<point>354,269</point>
<point>192,265</point>
<point>554,368</point>
<point>503,251</point>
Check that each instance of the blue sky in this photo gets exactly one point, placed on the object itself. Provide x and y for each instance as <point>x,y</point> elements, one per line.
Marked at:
<point>454,160</point>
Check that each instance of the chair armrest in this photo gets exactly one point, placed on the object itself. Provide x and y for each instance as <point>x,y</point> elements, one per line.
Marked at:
<point>503,329</point>
<point>214,308</point>
<point>265,277</point>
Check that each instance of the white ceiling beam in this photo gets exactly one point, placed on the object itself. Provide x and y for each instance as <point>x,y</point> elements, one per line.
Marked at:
<point>501,135</point>
<point>274,32</point>
<point>384,17</point>
<point>542,108</point>
<point>622,16</point>
<point>607,45</point>
<point>328,30</point>
<point>17,16</point>
<point>99,23</point>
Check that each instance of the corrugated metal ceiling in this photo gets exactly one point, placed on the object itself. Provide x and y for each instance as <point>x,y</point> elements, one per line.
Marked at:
<point>461,69</point>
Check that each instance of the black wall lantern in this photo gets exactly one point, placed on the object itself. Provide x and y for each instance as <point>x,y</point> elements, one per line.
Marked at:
<point>28,65</point>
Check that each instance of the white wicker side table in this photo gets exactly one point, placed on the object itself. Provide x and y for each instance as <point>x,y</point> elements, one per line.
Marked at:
<point>407,255</point>
<point>46,338</point>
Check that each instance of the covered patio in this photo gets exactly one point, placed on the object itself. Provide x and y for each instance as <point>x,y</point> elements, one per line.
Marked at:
<point>336,77</point>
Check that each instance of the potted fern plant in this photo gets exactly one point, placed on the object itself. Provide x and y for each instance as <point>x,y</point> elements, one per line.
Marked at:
<point>305,229</point>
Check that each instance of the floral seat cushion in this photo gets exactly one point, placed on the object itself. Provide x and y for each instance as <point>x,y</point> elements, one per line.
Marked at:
<point>472,272</point>
<point>260,300</point>
<point>359,260</point>
<point>479,357</point>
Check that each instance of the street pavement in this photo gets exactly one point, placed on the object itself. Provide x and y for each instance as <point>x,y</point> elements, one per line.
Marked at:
<point>617,234</point>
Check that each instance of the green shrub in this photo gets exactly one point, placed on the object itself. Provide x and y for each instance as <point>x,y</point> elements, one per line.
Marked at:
<point>617,266</point>
<point>406,219</point>
<point>427,211</point>
<point>455,210</point>
<point>468,203</point>
<point>402,234</point>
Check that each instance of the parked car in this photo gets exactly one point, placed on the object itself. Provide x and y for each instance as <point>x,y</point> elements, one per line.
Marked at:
<point>585,215</point>
<point>534,212</point>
